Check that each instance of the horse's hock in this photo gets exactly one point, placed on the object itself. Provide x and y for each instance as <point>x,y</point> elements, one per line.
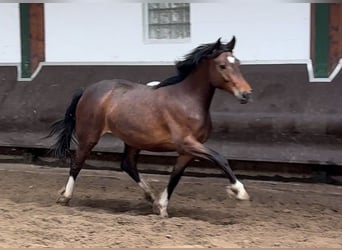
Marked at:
<point>289,120</point>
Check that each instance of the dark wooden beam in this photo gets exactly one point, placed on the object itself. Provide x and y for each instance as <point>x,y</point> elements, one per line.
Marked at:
<point>335,35</point>
<point>32,37</point>
<point>326,37</point>
<point>37,36</point>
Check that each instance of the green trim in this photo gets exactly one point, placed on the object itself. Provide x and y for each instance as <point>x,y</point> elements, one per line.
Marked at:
<point>321,57</point>
<point>25,40</point>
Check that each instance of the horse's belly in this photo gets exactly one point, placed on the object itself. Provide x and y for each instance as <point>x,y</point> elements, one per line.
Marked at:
<point>144,142</point>
<point>143,135</point>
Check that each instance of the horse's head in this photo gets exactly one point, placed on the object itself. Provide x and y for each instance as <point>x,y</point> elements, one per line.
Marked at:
<point>225,71</point>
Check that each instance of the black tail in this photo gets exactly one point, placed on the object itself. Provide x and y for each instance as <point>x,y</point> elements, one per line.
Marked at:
<point>65,129</point>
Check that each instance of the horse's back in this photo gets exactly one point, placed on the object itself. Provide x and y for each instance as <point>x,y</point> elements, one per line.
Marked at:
<point>105,86</point>
<point>106,91</point>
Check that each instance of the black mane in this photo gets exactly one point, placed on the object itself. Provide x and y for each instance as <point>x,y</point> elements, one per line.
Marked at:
<point>191,60</point>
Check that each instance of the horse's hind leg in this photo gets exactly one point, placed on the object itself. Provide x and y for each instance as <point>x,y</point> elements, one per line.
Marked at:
<point>85,145</point>
<point>160,205</point>
<point>129,165</point>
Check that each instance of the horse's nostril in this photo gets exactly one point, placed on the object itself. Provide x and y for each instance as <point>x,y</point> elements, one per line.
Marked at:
<point>245,95</point>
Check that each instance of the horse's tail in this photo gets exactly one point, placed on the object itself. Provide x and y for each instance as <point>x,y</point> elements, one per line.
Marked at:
<point>65,129</point>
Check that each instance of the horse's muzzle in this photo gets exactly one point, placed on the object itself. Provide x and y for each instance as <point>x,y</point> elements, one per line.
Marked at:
<point>245,97</point>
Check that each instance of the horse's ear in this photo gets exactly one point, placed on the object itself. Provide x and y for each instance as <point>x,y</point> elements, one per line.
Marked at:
<point>214,48</point>
<point>217,45</point>
<point>230,45</point>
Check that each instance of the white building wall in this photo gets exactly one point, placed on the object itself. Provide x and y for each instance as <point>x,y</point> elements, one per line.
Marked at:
<point>264,30</point>
<point>113,32</point>
<point>9,33</point>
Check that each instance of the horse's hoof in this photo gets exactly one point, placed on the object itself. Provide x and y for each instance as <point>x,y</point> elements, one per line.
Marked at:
<point>62,200</point>
<point>156,208</point>
<point>161,211</point>
<point>241,194</point>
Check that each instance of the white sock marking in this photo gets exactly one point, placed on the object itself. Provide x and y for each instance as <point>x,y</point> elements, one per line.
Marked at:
<point>163,200</point>
<point>238,186</point>
<point>69,189</point>
<point>241,193</point>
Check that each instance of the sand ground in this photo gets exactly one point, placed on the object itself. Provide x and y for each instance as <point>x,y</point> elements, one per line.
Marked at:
<point>108,210</point>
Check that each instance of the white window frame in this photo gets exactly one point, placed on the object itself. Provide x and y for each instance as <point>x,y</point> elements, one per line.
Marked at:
<point>168,40</point>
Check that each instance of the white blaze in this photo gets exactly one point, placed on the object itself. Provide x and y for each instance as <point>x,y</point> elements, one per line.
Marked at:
<point>153,83</point>
<point>231,59</point>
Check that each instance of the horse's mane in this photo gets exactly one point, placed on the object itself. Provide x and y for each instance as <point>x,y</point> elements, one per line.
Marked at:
<point>192,59</point>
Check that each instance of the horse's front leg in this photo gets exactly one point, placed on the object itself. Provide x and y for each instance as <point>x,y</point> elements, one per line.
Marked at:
<point>160,205</point>
<point>192,146</point>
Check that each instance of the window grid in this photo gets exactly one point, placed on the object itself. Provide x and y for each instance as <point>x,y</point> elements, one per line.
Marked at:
<point>168,21</point>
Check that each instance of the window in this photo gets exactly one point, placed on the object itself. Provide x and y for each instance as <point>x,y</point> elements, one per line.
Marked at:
<point>167,21</point>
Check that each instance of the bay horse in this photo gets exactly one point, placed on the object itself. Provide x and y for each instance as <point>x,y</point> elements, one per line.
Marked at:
<point>172,116</point>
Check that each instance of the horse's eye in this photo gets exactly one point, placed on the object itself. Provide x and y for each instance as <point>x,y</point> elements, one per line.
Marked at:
<point>222,66</point>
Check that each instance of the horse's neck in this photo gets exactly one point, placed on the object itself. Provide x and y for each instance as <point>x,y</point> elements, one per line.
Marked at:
<point>198,86</point>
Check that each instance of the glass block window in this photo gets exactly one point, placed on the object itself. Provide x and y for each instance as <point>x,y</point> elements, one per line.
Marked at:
<point>168,21</point>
